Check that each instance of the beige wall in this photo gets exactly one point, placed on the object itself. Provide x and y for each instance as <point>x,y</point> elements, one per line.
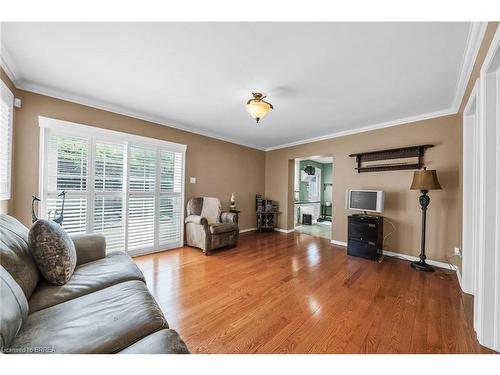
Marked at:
<point>221,168</point>
<point>401,205</point>
<point>6,206</point>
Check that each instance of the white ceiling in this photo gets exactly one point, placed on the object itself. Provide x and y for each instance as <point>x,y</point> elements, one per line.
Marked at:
<point>322,78</point>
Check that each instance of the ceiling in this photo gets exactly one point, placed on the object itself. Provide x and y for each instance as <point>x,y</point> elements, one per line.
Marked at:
<point>322,78</point>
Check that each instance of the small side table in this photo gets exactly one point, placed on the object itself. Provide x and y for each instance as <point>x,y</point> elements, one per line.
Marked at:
<point>267,220</point>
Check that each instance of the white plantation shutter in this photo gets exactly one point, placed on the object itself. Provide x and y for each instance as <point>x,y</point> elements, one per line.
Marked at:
<point>6,124</point>
<point>171,171</point>
<point>66,169</point>
<point>130,192</point>
<point>141,222</point>
<point>108,167</point>
<point>75,210</point>
<point>170,225</point>
<point>171,167</point>
<point>108,220</point>
<point>142,186</point>
<point>67,164</point>
<point>142,170</point>
<point>109,193</point>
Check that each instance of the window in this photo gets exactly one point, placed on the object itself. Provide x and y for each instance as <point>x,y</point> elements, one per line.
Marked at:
<point>126,187</point>
<point>6,116</point>
<point>109,192</point>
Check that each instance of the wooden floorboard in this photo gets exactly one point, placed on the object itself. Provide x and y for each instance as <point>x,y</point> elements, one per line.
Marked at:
<point>294,293</point>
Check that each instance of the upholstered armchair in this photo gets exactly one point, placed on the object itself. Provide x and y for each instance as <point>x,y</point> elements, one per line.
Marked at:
<point>207,227</point>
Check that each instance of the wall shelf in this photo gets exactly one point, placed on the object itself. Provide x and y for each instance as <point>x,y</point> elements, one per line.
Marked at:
<point>390,154</point>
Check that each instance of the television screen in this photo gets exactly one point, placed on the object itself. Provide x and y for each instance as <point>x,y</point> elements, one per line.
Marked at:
<point>364,200</point>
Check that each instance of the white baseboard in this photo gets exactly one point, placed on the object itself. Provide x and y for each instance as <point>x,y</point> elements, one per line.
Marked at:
<point>284,230</point>
<point>411,259</point>
<point>339,243</point>
<point>459,277</point>
<point>248,230</point>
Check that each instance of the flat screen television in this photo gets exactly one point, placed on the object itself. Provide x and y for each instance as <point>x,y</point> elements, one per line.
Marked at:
<point>365,200</point>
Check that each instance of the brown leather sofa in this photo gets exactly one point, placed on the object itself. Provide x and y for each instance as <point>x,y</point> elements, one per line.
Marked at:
<point>104,308</point>
<point>207,227</point>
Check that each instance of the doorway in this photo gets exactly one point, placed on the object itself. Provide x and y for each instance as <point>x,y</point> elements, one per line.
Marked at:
<point>313,195</point>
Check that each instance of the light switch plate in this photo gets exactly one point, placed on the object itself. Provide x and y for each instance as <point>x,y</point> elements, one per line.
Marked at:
<point>457,251</point>
<point>192,180</point>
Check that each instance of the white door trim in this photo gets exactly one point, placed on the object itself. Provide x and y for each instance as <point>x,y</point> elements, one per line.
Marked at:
<point>470,193</point>
<point>488,288</point>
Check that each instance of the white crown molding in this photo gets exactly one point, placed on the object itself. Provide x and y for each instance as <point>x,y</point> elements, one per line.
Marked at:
<point>37,89</point>
<point>42,90</point>
<point>382,125</point>
<point>8,66</point>
<point>474,40</point>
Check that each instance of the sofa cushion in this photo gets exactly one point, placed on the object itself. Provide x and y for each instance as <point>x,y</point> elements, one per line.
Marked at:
<point>105,321</point>
<point>53,250</point>
<point>15,255</point>
<point>166,341</point>
<point>223,228</point>
<point>13,308</point>
<point>115,268</point>
<point>89,247</point>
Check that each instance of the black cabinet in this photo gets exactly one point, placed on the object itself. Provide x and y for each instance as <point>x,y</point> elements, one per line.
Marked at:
<point>365,236</point>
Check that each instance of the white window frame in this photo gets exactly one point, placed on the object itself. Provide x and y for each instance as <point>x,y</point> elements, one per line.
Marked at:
<point>8,96</point>
<point>128,140</point>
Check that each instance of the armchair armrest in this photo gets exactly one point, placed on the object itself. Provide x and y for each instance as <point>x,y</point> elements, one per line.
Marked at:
<point>229,217</point>
<point>89,247</point>
<point>196,219</point>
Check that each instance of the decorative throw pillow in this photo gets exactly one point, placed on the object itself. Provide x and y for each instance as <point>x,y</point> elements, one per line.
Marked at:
<point>53,250</point>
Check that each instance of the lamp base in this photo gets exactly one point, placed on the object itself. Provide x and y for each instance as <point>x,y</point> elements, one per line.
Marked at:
<point>422,266</point>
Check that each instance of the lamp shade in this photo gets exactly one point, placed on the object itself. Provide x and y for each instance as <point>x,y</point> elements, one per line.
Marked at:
<point>425,180</point>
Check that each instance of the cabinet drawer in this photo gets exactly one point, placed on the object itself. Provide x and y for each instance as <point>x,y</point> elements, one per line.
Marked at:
<point>363,231</point>
<point>367,250</point>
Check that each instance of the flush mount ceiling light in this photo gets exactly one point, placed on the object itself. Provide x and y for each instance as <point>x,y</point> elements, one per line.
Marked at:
<point>258,107</point>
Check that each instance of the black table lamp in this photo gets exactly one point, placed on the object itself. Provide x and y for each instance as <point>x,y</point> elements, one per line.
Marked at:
<point>424,180</point>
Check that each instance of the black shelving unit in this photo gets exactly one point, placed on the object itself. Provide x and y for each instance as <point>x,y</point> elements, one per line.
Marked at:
<point>365,236</point>
<point>267,220</point>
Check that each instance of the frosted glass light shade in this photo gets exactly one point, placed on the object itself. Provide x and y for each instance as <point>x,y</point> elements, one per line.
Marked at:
<point>257,109</point>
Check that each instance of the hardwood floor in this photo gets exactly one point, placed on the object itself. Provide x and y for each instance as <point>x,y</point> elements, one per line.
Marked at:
<point>294,293</point>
